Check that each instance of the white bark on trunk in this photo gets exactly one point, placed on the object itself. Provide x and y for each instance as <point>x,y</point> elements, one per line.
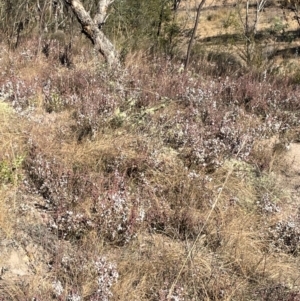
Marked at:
<point>92,28</point>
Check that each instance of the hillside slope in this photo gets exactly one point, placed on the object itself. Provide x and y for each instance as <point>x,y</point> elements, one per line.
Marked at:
<point>146,183</point>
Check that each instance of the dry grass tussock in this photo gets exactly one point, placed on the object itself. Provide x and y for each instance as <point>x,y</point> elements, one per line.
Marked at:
<point>146,183</point>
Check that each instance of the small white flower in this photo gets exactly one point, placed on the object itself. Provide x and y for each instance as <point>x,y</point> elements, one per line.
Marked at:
<point>57,288</point>
<point>74,297</point>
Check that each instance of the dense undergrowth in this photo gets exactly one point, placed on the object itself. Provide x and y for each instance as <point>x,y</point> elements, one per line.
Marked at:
<point>152,183</point>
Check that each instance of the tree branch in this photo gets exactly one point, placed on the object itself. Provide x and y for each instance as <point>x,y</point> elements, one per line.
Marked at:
<point>91,28</point>
<point>101,15</point>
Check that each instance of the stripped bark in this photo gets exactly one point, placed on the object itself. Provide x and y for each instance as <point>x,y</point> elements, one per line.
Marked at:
<point>92,28</point>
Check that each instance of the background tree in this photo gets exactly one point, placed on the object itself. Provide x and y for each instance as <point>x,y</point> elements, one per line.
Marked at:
<point>145,25</point>
<point>199,8</point>
<point>15,16</point>
<point>26,18</point>
<point>250,27</point>
<point>150,26</point>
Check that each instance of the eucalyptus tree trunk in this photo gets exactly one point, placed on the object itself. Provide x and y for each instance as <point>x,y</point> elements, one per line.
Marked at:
<point>91,27</point>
